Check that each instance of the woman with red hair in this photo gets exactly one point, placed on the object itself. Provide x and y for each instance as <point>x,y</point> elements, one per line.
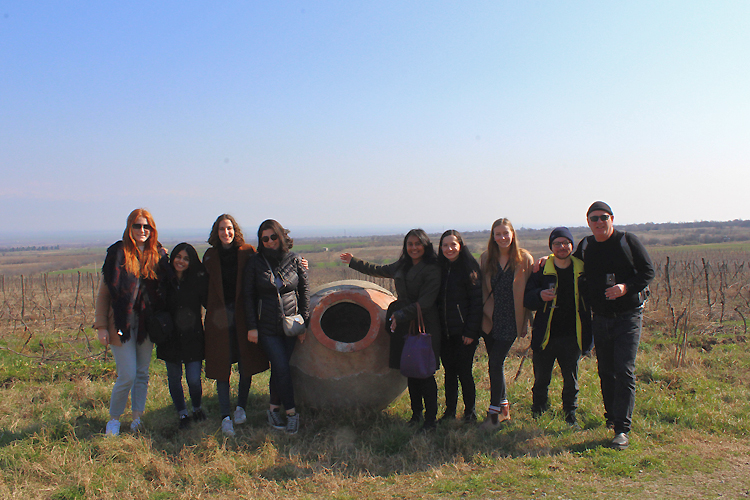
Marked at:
<point>132,274</point>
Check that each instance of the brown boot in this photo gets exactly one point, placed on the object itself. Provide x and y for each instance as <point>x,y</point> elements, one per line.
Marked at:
<point>491,422</point>
<point>504,412</point>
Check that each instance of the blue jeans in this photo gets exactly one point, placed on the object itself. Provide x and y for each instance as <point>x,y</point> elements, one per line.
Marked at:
<point>193,377</point>
<point>497,351</point>
<point>132,361</point>
<point>565,350</point>
<point>278,349</point>
<point>616,340</point>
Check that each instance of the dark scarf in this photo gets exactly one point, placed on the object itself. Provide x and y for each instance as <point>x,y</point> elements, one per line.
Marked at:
<point>127,295</point>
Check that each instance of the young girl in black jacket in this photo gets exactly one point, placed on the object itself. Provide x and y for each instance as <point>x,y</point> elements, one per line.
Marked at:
<point>186,294</point>
<point>460,308</point>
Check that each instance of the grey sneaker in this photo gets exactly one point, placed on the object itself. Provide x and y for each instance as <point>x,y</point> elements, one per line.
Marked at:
<point>240,417</point>
<point>113,428</point>
<point>275,420</point>
<point>620,442</point>
<point>226,427</point>
<point>292,423</point>
<point>136,425</point>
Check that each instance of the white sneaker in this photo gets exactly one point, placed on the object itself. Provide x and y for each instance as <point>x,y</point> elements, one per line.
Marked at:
<point>136,425</point>
<point>226,427</point>
<point>113,428</point>
<point>240,417</point>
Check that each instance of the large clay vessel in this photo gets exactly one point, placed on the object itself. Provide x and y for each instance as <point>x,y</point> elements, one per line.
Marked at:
<point>344,359</point>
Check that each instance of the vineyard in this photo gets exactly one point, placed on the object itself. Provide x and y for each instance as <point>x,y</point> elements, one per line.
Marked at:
<point>689,439</point>
<point>699,297</point>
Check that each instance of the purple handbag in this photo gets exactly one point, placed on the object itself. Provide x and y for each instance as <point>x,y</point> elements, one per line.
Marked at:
<point>418,358</point>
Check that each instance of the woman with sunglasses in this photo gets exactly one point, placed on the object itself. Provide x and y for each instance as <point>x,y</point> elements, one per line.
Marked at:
<point>226,330</point>
<point>133,275</point>
<point>276,285</point>
<point>505,269</point>
<point>460,306</point>
<point>186,293</point>
<point>417,280</point>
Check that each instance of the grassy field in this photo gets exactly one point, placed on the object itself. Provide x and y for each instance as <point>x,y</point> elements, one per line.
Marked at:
<point>689,439</point>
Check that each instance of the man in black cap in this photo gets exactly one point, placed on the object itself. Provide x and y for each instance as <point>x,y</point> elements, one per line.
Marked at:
<point>562,323</point>
<point>618,272</point>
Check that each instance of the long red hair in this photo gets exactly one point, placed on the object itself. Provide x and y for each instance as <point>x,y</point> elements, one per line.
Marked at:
<point>142,264</point>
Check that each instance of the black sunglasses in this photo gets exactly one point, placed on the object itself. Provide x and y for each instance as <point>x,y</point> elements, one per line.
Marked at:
<point>147,227</point>
<point>273,237</point>
<point>603,217</point>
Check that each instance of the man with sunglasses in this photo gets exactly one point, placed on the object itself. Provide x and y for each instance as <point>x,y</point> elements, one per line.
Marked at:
<point>618,269</point>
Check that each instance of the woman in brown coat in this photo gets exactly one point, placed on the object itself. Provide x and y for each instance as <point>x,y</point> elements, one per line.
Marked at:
<point>505,269</point>
<point>226,332</point>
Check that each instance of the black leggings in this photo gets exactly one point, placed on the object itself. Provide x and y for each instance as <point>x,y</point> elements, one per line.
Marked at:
<point>423,389</point>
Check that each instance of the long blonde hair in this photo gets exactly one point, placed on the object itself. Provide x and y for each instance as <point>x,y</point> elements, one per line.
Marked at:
<point>142,264</point>
<point>490,262</point>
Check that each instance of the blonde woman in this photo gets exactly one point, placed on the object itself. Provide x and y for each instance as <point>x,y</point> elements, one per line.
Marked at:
<point>505,269</point>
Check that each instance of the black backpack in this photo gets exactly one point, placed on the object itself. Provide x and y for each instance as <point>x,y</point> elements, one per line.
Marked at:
<point>625,244</point>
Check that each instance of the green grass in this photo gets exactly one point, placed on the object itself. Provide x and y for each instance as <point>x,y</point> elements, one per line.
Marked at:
<point>690,421</point>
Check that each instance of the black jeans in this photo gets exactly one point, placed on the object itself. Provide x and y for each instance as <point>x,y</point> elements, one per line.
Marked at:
<point>565,350</point>
<point>458,361</point>
<point>423,389</point>
<point>222,386</point>
<point>616,340</point>
<point>497,351</point>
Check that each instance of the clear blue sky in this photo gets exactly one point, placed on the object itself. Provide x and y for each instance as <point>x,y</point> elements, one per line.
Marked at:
<point>346,115</point>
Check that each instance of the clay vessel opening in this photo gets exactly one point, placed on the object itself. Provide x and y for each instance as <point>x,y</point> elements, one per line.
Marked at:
<point>345,322</point>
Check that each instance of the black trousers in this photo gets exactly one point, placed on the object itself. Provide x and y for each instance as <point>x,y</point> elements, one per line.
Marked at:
<point>565,350</point>
<point>423,390</point>
<point>458,362</point>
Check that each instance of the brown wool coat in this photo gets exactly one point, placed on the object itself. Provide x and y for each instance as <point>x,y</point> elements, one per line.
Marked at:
<point>104,316</point>
<point>521,276</point>
<point>218,356</point>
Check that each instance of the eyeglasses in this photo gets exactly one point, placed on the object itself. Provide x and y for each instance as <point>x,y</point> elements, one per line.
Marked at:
<point>561,244</point>
<point>603,217</point>
<point>138,227</point>
<point>273,237</point>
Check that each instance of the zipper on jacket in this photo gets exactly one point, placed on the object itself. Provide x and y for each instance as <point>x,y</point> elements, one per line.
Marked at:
<point>445,301</point>
<point>460,315</point>
<point>260,308</point>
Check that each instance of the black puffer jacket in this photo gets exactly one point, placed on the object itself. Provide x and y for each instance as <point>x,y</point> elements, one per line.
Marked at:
<point>262,302</point>
<point>184,301</point>
<point>460,300</point>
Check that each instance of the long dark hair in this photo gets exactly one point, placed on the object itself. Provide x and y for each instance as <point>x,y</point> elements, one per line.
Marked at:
<point>195,267</point>
<point>285,241</point>
<point>214,239</point>
<point>429,256</point>
<point>468,265</point>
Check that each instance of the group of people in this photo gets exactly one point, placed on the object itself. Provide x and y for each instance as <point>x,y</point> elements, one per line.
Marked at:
<point>246,294</point>
<point>593,295</point>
